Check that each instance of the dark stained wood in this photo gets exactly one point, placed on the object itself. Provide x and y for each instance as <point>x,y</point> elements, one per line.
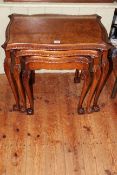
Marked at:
<point>56,140</point>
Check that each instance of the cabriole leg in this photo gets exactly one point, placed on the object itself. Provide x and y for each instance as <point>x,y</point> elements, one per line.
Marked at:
<point>87,80</point>
<point>7,69</point>
<point>105,69</point>
<point>26,77</point>
<point>77,77</point>
<point>17,71</point>
<point>96,77</point>
<point>114,91</point>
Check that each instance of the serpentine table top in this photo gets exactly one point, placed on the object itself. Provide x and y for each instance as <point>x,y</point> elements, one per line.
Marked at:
<point>56,32</point>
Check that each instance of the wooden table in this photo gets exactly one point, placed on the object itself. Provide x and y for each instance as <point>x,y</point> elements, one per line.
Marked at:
<point>54,33</point>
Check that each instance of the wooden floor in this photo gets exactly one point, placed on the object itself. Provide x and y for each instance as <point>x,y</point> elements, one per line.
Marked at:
<point>56,140</point>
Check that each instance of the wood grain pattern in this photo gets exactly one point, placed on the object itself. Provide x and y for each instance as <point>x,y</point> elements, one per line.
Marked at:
<point>56,140</point>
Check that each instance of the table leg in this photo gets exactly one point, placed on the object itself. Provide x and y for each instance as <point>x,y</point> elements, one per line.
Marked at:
<point>17,73</point>
<point>77,77</point>
<point>32,77</point>
<point>32,81</point>
<point>7,69</point>
<point>26,77</point>
<point>105,69</point>
<point>87,80</point>
<point>96,77</point>
<point>114,91</point>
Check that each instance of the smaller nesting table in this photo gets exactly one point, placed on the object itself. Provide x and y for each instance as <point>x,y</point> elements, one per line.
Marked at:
<point>56,42</point>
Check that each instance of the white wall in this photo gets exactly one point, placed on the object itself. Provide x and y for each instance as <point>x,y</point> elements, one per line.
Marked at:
<point>105,10</point>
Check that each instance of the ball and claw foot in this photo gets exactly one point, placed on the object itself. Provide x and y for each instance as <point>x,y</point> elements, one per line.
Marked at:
<point>89,110</point>
<point>30,111</point>
<point>22,109</point>
<point>16,107</point>
<point>96,108</point>
<point>81,111</point>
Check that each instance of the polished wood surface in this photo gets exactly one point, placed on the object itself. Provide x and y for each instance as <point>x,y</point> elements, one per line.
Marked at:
<point>56,141</point>
<point>55,33</point>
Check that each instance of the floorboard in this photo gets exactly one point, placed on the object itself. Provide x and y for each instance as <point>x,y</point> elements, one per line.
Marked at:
<point>56,140</point>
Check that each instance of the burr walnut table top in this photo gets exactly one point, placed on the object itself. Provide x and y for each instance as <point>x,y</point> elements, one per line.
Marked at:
<point>55,32</point>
